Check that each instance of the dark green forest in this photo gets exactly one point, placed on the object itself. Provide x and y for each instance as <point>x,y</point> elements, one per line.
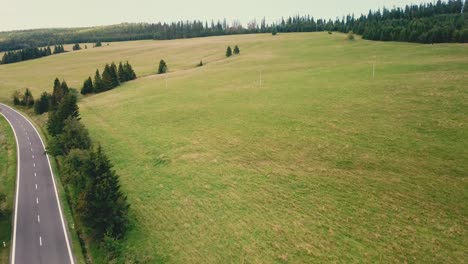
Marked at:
<point>439,22</point>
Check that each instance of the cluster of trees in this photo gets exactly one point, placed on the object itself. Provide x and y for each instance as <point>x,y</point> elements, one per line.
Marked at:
<point>23,99</point>
<point>229,51</point>
<point>438,22</point>
<point>92,186</point>
<point>25,54</point>
<point>76,46</point>
<point>112,76</point>
<point>29,54</point>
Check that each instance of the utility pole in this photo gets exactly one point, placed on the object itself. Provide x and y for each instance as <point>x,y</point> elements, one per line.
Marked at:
<point>373,71</point>
<point>260,78</point>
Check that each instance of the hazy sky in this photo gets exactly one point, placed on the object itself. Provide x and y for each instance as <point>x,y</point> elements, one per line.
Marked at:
<point>26,14</point>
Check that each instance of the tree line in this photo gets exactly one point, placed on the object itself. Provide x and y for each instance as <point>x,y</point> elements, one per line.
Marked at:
<point>112,76</point>
<point>440,19</point>
<point>29,54</point>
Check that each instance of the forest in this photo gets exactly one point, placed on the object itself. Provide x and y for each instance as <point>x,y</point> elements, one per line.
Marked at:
<point>439,22</point>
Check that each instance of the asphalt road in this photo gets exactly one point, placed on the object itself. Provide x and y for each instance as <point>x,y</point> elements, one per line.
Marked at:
<point>39,231</point>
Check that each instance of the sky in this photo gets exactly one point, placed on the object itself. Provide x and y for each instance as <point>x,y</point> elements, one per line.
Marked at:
<point>29,14</point>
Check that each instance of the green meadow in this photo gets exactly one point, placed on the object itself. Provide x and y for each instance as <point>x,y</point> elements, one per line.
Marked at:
<point>291,152</point>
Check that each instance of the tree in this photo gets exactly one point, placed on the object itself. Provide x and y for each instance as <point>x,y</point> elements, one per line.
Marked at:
<point>162,67</point>
<point>17,97</point>
<point>28,99</point>
<point>42,104</point>
<point>98,83</point>
<point>129,71</point>
<point>350,35</point>
<point>76,46</point>
<point>58,93</point>
<point>228,51</point>
<point>67,108</point>
<point>123,76</point>
<point>98,44</point>
<point>74,136</point>
<point>114,76</point>
<point>236,50</point>
<point>87,86</point>
<point>107,78</point>
<point>274,30</point>
<point>200,64</point>
<point>103,206</point>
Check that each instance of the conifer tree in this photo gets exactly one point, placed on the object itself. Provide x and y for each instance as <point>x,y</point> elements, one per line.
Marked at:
<point>129,71</point>
<point>28,99</point>
<point>42,104</point>
<point>228,51</point>
<point>98,83</point>
<point>67,108</point>
<point>107,78</point>
<point>74,136</point>
<point>103,206</point>
<point>123,76</point>
<point>162,67</point>
<point>236,50</point>
<point>114,75</point>
<point>87,86</point>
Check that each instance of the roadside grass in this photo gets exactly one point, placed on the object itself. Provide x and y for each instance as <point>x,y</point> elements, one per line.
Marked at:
<point>7,185</point>
<point>320,163</point>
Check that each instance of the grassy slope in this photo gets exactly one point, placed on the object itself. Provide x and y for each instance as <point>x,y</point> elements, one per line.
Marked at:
<point>7,184</point>
<point>320,163</point>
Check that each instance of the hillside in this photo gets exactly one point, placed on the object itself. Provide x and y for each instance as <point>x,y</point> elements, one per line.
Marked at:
<point>318,162</point>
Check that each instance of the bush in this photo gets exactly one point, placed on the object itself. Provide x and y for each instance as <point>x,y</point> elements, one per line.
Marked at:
<point>350,35</point>
<point>162,67</point>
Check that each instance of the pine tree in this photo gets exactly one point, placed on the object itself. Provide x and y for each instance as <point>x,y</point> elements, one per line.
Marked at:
<point>123,76</point>
<point>42,104</point>
<point>87,86</point>
<point>162,67</point>
<point>67,108</point>
<point>107,78</point>
<point>228,51</point>
<point>129,71</point>
<point>103,206</point>
<point>16,98</point>
<point>114,76</point>
<point>74,136</point>
<point>236,50</point>
<point>28,99</point>
<point>98,83</point>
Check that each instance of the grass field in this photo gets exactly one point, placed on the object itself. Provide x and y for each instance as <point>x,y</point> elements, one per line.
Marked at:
<point>7,184</point>
<point>320,163</point>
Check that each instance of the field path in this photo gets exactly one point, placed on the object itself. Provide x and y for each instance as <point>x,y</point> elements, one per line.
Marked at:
<point>39,232</point>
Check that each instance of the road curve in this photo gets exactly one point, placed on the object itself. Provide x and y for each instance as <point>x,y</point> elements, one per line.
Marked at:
<point>39,230</point>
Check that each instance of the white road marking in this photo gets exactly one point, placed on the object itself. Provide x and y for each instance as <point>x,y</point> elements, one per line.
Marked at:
<point>29,143</point>
<point>31,150</point>
<point>40,241</point>
<point>36,186</point>
<point>38,219</point>
<point>37,200</point>
<point>35,175</point>
<point>34,164</point>
<point>33,156</point>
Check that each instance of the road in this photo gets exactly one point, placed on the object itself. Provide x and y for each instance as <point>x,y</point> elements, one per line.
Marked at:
<point>39,230</point>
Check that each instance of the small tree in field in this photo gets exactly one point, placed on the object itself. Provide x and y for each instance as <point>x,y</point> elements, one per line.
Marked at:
<point>236,50</point>
<point>228,51</point>
<point>162,67</point>
<point>274,31</point>
<point>350,35</point>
